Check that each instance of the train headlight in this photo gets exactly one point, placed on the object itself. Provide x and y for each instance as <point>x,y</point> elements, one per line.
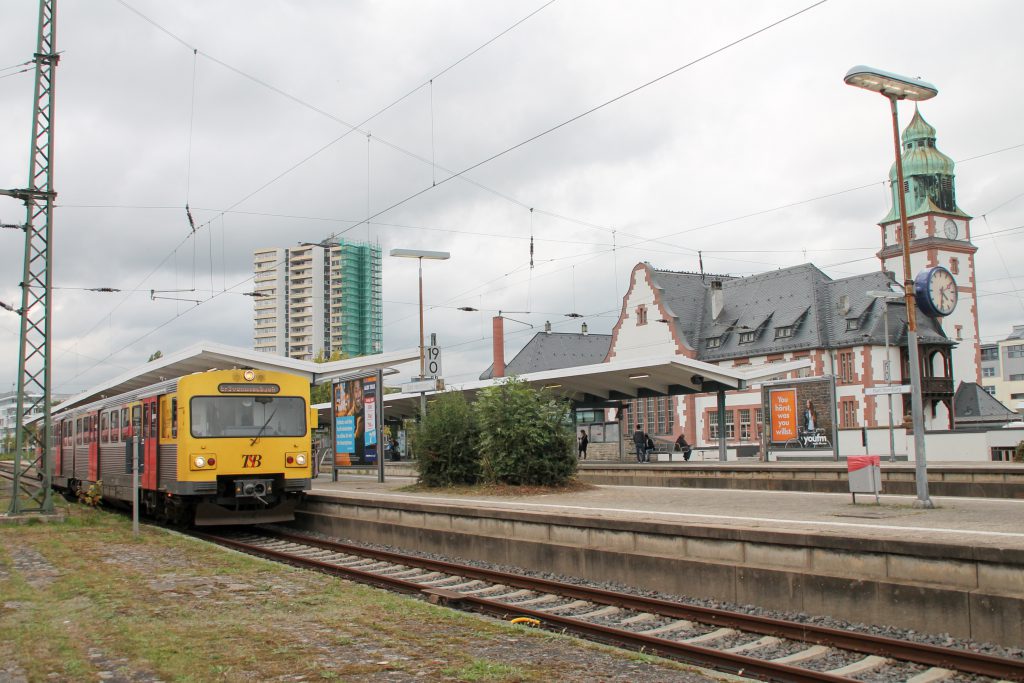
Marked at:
<point>300,458</point>
<point>202,461</point>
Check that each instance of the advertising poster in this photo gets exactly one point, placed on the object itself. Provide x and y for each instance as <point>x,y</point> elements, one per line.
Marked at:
<point>800,414</point>
<point>370,414</point>
<point>348,423</point>
<point>783,414</point>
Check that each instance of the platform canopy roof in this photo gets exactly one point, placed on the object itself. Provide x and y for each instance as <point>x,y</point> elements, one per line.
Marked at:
<point>601,383</point>
<point>205,356</point>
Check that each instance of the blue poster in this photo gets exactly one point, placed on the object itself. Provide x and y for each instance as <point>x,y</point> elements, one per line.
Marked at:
<point>345,434</point>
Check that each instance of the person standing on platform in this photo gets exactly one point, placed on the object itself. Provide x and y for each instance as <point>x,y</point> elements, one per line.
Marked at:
<point>583,444</point>
<point>640,441</point>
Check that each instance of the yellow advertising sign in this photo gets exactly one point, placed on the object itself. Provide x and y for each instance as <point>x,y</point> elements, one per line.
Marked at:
<point>783,414</point>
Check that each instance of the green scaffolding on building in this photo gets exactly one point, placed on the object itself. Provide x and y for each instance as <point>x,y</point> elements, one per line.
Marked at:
<point>355,323</point>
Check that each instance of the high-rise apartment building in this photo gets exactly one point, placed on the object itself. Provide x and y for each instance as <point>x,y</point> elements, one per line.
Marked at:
<point>315,298</point>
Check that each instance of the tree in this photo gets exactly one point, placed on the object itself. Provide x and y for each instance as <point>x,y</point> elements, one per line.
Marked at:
<point>446,442</point>
<point>322,393</point>
<point>526,436</point>
<point>156,354</point>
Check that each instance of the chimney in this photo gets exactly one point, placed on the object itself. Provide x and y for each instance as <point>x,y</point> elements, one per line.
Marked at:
<point>547,326</point>
<point>584,329</point>
<point>717,299</point>
<point>498,337</point>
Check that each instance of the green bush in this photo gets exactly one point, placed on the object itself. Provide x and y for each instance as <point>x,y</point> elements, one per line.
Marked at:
<point>525,435</point>
<point>446,443</point>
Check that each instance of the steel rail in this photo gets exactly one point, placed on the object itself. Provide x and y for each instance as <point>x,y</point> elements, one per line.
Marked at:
<point>692,654</point>
<point>921,653</point>
<point>960,660</point>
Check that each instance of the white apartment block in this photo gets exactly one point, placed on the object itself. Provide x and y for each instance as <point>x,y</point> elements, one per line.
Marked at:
<point>318,298</point>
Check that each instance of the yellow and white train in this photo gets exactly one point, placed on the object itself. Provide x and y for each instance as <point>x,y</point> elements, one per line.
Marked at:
<point>217,447</point>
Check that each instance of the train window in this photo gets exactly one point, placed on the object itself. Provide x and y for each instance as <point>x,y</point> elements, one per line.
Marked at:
<point>174,418</point>
<point>105,428</point>
<point>115,425</point>
<point>247,416</point>
<point>78,432</point>
<point>125,427</point>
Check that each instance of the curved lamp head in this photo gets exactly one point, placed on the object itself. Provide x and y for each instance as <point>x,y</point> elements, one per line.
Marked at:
<point>890,84</point>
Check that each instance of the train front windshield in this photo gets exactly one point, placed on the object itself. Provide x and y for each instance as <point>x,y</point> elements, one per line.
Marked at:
<point>247,416</point>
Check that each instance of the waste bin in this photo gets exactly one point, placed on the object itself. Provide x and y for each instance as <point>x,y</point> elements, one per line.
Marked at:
<point>865,475</point>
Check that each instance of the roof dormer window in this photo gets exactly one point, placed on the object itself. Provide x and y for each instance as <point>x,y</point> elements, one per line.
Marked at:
<point>784,332</point>
<point>713,342</point>
<point>748,337</point>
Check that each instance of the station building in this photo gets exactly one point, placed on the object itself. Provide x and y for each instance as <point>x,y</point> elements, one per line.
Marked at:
<point>850,329</point>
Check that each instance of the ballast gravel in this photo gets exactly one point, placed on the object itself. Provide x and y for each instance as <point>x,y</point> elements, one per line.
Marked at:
<point>939,639</point>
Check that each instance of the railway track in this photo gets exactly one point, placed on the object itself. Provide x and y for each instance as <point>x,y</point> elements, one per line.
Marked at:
<point>29,481</point>
<point>743,644</point>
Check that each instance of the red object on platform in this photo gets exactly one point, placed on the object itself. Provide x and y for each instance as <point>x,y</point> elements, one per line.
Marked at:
<point>856,462</point>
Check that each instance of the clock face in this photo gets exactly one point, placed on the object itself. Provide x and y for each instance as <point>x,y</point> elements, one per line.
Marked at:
<point>935,291</point>
<point>950,228</point>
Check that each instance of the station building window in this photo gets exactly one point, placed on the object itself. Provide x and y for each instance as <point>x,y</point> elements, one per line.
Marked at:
<point>847,374</point>
<point>745,424</point>
<point>848,413</point>
<point>1002,453</point>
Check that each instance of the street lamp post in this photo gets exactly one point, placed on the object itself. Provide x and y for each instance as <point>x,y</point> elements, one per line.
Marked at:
<point>420,254</point>
<point>895,87</point>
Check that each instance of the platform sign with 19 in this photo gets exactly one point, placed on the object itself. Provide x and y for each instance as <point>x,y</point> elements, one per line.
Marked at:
<point>432,361</point>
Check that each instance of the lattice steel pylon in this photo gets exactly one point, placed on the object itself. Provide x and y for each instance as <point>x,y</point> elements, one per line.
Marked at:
<point>32,444</point>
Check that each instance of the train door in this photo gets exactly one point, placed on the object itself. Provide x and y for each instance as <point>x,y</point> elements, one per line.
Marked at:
<point>58,451</point>
<point>150,442</point>
<point>92,438</point>
<point>131,425</point>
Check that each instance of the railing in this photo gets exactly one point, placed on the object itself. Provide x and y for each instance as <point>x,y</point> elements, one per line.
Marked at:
<point>936,385</point>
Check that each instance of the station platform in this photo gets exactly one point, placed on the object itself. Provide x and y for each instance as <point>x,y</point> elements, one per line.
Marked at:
<point>945,479</point>
<point>971,522</point>
<point>957,568</point>
<point>970,479</point>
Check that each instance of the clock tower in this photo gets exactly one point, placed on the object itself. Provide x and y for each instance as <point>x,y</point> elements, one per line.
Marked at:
<point>940,235</point>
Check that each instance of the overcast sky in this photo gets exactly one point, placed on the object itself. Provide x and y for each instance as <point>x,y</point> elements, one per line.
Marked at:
<point>756,155</point>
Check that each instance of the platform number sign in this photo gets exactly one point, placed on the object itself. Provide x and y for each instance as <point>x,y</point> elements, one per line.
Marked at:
<point>432,361</point>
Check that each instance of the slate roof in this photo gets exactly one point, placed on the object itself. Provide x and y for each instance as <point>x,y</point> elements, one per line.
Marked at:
<point>817,308</point>
<point>973,405</point>
<point>554,351</point>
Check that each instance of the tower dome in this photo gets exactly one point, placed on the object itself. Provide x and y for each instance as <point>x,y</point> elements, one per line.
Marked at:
<point>928,174</point>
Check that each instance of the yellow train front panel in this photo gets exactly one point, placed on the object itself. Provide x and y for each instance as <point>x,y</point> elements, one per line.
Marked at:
<point>243,437</point>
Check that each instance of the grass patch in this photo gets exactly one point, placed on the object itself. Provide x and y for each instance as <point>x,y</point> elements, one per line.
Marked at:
<point>85,596</point>
<point>480,670</point>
